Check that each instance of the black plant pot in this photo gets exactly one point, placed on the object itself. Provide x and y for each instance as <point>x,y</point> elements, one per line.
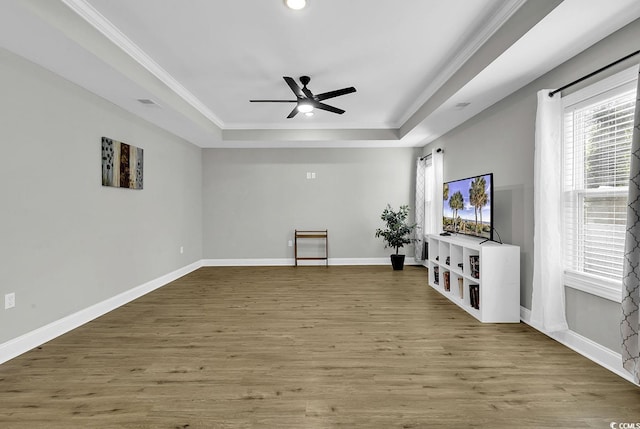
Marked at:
<point>397,261</point>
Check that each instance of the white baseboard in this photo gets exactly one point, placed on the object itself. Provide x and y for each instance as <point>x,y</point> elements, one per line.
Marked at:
<point>593,351</point>
<point>291,262</point>
<point>370,261</point>
<point>246,262</point>
<point>39,336</point>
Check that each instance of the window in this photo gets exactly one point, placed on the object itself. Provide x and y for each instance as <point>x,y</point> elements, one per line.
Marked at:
<point>598,128</point>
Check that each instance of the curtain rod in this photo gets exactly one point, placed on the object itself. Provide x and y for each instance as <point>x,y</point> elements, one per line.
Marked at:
<point>429,155</point>
<point>552,93</point>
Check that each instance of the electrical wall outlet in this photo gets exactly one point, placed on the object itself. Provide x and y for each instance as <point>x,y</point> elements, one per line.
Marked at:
<point>290,243</point>
<point>9,300</point>
<point>181,250</point>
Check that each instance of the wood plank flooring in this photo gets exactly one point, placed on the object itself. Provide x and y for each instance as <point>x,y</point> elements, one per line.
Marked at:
<point>306,347</point>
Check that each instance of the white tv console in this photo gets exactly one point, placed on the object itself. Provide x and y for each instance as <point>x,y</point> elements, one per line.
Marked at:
<point>495,290</point>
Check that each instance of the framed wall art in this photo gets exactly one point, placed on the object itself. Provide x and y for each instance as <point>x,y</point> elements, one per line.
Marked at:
<point>122,164</point>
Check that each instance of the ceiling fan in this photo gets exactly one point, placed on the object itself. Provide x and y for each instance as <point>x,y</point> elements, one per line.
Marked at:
<point>306,100</point>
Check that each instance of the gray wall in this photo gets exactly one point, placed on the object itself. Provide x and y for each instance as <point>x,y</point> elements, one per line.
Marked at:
<point>501,140</point>
<point>253,199</point>
<point>66,242</point>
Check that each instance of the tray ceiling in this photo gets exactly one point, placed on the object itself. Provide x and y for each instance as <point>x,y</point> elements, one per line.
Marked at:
<point>414,63</point>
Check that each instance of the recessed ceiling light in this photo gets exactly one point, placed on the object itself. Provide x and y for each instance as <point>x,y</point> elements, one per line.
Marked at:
<point>296,4</point>
<point>305,107</point>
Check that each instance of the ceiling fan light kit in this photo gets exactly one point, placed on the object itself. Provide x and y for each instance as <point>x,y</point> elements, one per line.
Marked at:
<point>296,4</point>
<point>306,101</point>
<point>305,107</point>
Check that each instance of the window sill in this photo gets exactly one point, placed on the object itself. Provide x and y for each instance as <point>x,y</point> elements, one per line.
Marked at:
<point>604,288</point>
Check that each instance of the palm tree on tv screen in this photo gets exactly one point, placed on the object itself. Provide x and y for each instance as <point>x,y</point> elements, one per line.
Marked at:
<point>478,198</point>
<point>456,202</point>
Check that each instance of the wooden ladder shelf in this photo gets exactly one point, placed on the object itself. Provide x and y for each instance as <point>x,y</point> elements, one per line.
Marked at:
<point>322,235</point>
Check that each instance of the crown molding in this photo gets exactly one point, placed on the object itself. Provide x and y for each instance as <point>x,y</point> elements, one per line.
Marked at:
<point>112,33</point>
<point>497,19</point>
<point>385,134</point>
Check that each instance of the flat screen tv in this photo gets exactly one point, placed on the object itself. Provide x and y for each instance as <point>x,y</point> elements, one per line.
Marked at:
<point>468,206</point>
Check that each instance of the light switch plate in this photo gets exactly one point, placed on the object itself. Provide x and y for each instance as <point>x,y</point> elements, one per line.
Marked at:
<point>9,300</point>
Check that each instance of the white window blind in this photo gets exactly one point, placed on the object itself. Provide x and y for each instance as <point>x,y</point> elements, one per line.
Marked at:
<point>596,161</point>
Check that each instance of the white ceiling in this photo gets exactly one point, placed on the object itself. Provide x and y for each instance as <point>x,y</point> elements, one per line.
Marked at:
<point>201,61</point>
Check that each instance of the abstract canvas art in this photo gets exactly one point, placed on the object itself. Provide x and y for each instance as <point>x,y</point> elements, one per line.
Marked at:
<point>121,164</point>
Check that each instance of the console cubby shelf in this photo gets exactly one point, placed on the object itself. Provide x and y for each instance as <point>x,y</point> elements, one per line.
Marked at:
<point>487,275</point>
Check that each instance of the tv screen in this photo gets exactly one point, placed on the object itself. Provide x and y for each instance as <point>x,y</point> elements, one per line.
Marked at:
<point>468,206</point>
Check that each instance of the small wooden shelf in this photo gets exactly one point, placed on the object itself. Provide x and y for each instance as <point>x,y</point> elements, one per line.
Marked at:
<point>318,235</point>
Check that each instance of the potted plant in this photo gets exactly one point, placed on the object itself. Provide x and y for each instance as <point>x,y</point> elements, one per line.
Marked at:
<point>397,232</point>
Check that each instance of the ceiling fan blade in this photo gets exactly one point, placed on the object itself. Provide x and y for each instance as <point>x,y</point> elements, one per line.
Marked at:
<point>336,93</point>
<point>307,92</point>
<point>294,86</point>
<point>293,113</point>
<point>328,108</point>
<point>273,101</point>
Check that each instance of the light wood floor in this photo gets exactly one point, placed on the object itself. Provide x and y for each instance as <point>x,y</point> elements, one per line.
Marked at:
<point>307,347</point>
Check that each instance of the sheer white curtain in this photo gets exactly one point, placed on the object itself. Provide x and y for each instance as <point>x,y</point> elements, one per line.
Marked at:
<point>428,216</point>
<point>631,277</point>
<point>547,300</point>
<point>435,180</point>
<point>421,166</point>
